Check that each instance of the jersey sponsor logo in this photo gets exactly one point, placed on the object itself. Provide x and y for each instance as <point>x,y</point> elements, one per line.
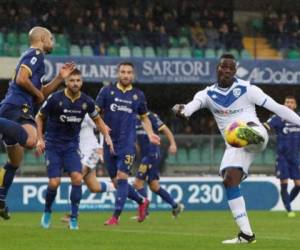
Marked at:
<point>75,119</point>
<point>115,107</point>
<point>71,111</point>
<point>33,60</point>
<point>227,111</point>
<point>122,100</point>
<point>84,106</point>
<point>287,130</point>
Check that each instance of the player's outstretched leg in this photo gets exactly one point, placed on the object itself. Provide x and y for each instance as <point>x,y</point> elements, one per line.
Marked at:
<point>13,130</point>
<point>141,200</point>
<point>236,202</point>
<point>177,208</point>
<point>250,135</point>
<point>49,199</point>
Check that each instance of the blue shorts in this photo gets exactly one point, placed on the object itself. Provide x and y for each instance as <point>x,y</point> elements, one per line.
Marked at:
<point>119,162</point>
<point>287,168</point>
<point>148,169</point>
<point>20,114</point>
<point>59,160</point>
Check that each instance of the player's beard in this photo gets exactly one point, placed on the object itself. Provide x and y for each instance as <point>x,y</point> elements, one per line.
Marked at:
<point>125,82</point>
<point>74,90</point>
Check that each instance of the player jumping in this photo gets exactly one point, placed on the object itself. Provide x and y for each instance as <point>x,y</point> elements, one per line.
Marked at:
<point>17,124</point>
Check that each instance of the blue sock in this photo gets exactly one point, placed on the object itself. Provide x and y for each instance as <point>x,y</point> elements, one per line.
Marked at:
<point>13,130</point>
<point>143,192</point>
<point>294,192</point>
<point>285,197</point>
<point>166,197</point>
<point>7,174</point>
<point>121,196</point>
<point>134,195</point>
<point>76,194</point>
<point>233,193</point>
<point>103,187</point>
<point>50,197</point>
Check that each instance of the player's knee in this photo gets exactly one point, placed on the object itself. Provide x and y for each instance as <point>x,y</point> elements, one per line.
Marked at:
<point>54,183</point>
<point>31,142</point>
<point>138,184</point>
<point>154,187</point>
<point>76,178</point>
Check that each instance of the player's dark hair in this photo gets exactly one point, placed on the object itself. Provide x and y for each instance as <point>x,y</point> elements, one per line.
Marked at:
<point>126,63</point>
<point>227,56</point>
<point>290,97</point>
<point>76,72</point>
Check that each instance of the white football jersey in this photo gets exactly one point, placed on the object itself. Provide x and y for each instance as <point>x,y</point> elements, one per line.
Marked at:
<point>228,105</point>
<point>87,136</point>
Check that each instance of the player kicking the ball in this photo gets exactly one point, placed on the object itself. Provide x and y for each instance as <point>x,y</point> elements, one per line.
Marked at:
<point>232,99</point>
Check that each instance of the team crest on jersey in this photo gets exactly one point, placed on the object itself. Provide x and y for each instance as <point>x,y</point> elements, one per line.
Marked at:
<point>60,103</point>
<point>135,97</point>
<point>112,92</point>
<point>25,108</point>
<point>237,92</point>
<point>84,106</point>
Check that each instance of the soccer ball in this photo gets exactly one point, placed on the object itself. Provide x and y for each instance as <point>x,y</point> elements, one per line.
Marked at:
<point>231,134</point>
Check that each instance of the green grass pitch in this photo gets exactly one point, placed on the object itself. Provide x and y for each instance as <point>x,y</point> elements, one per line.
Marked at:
<point>192,230</point>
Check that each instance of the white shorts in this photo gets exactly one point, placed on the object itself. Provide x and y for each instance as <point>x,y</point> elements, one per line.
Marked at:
<point>89,157</point>
<point>243,157</point>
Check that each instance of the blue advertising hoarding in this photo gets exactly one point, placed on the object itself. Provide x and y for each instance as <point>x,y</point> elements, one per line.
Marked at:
<point>197,193</point>
<point>178,70</point>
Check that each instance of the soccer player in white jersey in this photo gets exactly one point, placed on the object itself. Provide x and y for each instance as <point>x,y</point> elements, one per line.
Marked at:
<point>89,147</point>
<point>229,100</point>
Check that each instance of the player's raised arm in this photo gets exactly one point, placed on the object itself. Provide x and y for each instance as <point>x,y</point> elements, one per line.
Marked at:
<point>258,97</point>
<point>186,110</point>
<point>53,85</point>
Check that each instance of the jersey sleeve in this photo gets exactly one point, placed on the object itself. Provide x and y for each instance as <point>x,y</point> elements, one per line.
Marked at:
<point>32,62</point>
<point>198,102</point>
<point>156,122</point>
<point>142,108</point>
<point>91,109</point>
<point>47,106</point>
<point>257,96</point>
<point>273,122</point>
<point>101,98</point>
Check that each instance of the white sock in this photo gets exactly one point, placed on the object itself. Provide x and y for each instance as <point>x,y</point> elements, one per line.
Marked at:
<point>110,187</point>
<point>238,209</point>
